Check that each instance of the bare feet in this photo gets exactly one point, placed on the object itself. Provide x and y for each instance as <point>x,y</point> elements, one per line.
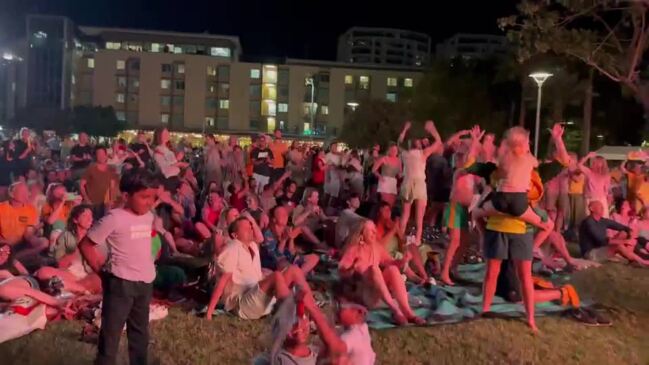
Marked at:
<point>417,320</point>
<point>446,280</point>
<point>532,324</point>
<point>399,319</point>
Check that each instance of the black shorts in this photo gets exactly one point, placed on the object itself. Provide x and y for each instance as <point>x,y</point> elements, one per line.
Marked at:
<point>514,204</point>
<point>503,246</point>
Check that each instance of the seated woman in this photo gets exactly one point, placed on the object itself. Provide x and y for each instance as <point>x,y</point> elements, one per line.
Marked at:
<point>387,232</point>
<point>622,215</point>
<point>16,283</point>
<point>309,217</point>
<point>56,210</point>
<point>364,259</point>
<point>73,271</point>
<point>210,215</point>
<point>641,231</point>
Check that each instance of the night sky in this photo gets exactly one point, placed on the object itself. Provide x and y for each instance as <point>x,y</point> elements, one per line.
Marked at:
<point>271,28</point>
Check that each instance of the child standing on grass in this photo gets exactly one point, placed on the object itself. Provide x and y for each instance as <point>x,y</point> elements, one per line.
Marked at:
<point>128,275</point>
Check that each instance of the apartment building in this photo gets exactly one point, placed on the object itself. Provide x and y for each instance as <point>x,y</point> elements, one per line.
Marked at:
<point>384,46</point>
<point>196,82</point>
<point>470,46</point>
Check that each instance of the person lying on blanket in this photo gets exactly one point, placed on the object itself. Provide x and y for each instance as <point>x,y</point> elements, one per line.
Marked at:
<point>16,283</point>
<point>366,261</point>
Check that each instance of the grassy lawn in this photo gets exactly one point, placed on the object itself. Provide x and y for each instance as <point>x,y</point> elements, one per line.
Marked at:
<point>183,339</point>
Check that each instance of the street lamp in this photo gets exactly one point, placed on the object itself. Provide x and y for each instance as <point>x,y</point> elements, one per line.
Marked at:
<point>539,78</point>
<point>310,82</point>
<point>353,105</point>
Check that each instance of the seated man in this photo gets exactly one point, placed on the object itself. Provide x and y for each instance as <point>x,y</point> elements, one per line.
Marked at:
<point>18,221</point>
<point>245,290</point>
<point>348,219</point>
<point>594,242</point>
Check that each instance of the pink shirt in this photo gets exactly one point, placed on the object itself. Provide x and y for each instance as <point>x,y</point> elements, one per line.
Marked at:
<point>517,172</point>
<point>597,186</point>
<point>128,237</point>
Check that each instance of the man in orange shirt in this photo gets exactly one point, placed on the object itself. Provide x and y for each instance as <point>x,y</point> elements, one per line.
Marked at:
<point>280,149</point>
<point>18,221</point>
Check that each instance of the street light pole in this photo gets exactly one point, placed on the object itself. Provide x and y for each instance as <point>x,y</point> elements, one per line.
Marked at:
<point>539,78</point>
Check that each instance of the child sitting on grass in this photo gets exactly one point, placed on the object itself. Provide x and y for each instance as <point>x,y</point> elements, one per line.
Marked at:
<point>516,164</point>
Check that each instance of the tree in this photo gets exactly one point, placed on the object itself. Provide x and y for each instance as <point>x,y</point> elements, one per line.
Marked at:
<point>458,95</point>
<point>96,121</point>
<point>374,121</point>
<point>611,36</point>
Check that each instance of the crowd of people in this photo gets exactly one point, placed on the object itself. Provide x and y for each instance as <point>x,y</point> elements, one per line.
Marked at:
<point>253,224</point>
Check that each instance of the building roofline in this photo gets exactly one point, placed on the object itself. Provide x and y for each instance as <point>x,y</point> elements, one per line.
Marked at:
<point>386,29</point>
<point>92,30</point>
<point>336,64</point>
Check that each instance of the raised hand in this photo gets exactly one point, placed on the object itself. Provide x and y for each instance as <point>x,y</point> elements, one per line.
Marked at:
<point>407,125</point>
<point>477,133</point>
<point>557,131</point>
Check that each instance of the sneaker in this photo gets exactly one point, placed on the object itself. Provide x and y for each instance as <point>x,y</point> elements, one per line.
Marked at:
<point>598,317</point>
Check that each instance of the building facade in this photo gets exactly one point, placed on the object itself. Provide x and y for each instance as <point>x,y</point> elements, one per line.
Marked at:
<point>470,46</point>
<point>196,82</point>
<point>384,46</point>
<point>155,79</point>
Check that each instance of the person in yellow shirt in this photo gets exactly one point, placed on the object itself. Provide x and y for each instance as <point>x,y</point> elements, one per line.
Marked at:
<point>576,199</point>
<point>279,149</point>
<point>635,179</point>
<point>18,221</point>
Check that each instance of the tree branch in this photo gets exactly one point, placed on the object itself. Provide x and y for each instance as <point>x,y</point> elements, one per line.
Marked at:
<point>611,30</point>
<point>639,46</point>
<point>589,61</point>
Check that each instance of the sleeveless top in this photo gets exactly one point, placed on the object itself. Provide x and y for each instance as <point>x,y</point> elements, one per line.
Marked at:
<point>389,170</point>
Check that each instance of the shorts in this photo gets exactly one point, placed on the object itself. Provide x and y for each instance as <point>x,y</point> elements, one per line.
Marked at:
<point>77,270</point>
<point>503,246</point>
<point>414,189</point>
<point>261,182</point>
<point>456,216</point>
<point>254,304</point>
<point>387,185</point>
<point>600,254</point>
<point>514,204</point>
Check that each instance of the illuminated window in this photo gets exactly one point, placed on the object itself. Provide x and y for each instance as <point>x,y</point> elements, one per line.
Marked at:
<point>220,51</point>
<point>349,79</point>
<point>392,81</point>
<point>155,47</point>
<point>135,83</point>
<point>91,63</point>
<point>164,118</point>
<point>120,64</point>
<point>211,89</point>
<point>178,50</point>
<point>121,81</point>
<point>270,124</point>
<point>165,84</point>
<point>269,108</point>
<point>407,82</point>
<point>180,68</point>
<point>224,104</point>
<point>270,74</point>
<point>282,108</point>
<point>307,108</point>
<point>269,91</point>
<point>391,97</point>
<point>307,128</point>
<point>364,82</point>
<point>211,71</point>
<point>113,45</point>
<point>209,121</point>
<point>119,98</point>
<point>255,73</point>
<point>324,110</point>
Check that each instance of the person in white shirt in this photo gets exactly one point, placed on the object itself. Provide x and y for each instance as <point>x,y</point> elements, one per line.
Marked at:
<point>245,290</point>
<point>168,162</point>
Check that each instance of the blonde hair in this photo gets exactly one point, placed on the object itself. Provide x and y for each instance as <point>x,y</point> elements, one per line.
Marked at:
<point>356,236</point>
<point>603,167</point>
<point>516,134</point>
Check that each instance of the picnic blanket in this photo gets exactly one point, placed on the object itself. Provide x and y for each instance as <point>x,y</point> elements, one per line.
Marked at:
<point>446,304</point>
<point>14,325</point>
